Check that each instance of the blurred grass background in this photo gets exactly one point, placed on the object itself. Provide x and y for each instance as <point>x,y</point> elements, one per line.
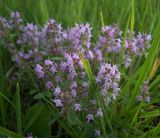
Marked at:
<point>69,12</point>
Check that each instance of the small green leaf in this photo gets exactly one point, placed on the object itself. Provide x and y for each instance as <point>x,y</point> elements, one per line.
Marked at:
<point>6,132</point>
<point>32,115</point>
<point>38,123</point>
<point>72,117</point>
<point>42,95</point>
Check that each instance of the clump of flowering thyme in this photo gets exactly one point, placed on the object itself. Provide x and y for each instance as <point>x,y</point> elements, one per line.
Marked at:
<point>111,42</point>
<point>70,88</point>
<point>52,37</point>
<point>66,77</point>
<point>30,42</point>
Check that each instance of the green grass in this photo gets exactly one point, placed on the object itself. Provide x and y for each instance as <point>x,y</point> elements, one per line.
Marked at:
<point>35,113</point>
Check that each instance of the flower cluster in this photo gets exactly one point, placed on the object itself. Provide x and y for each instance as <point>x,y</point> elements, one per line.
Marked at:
<point>66,77</point>
<point>138,46</point>
<point>68,82</point>
<point>80,36</point>
<point>29,42</point>
<point>52,37</point>
<point>15,21</point>
<point>107,77</point>
<point>111,42</point>
<point>32,43</point>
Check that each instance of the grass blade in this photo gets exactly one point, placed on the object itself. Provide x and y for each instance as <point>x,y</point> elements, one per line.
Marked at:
<point>1,94</point>
<point>18,110</point>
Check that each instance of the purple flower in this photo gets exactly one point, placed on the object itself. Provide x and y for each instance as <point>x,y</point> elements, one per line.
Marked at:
<point>85,84</point>
<point>102,40</point>
<point>58,79</point>
<point>57,91</point>
<point>73,85</point>
<point>80,36</point>
<point>72,73</point>
<point>97,133</point>
<point>126,44</point>
<point>69,59</point>
<point>49,85</point>
<point>80,64</point>
<point>109,30</point>
<point>108,77</point>
<point>139,98</point>
<point>39,71</point>
<point>144,95</point>
<point>30,136</point>
<point>48,62</point>
<point>63,66</point>
<point>41,74</point>
<point>53,69</point>
<point>99,55</point>
<point>117,48</point>
<point>77,107</point>
<point>89,118</point>
<point>90,55</point>
<point>52,35</point>
<point>58,102</point>
<point>38,68</point>
<point>73,93</point>
<point>148,37</point>
<point>128,62</point>
<point>52,21</point>
<point>75,56</point>
<point>15,14</point>
<point>15,20</point>
<point>99,113</point>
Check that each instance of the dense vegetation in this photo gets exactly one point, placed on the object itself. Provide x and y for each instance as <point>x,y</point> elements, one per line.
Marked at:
<point>79,68</point>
